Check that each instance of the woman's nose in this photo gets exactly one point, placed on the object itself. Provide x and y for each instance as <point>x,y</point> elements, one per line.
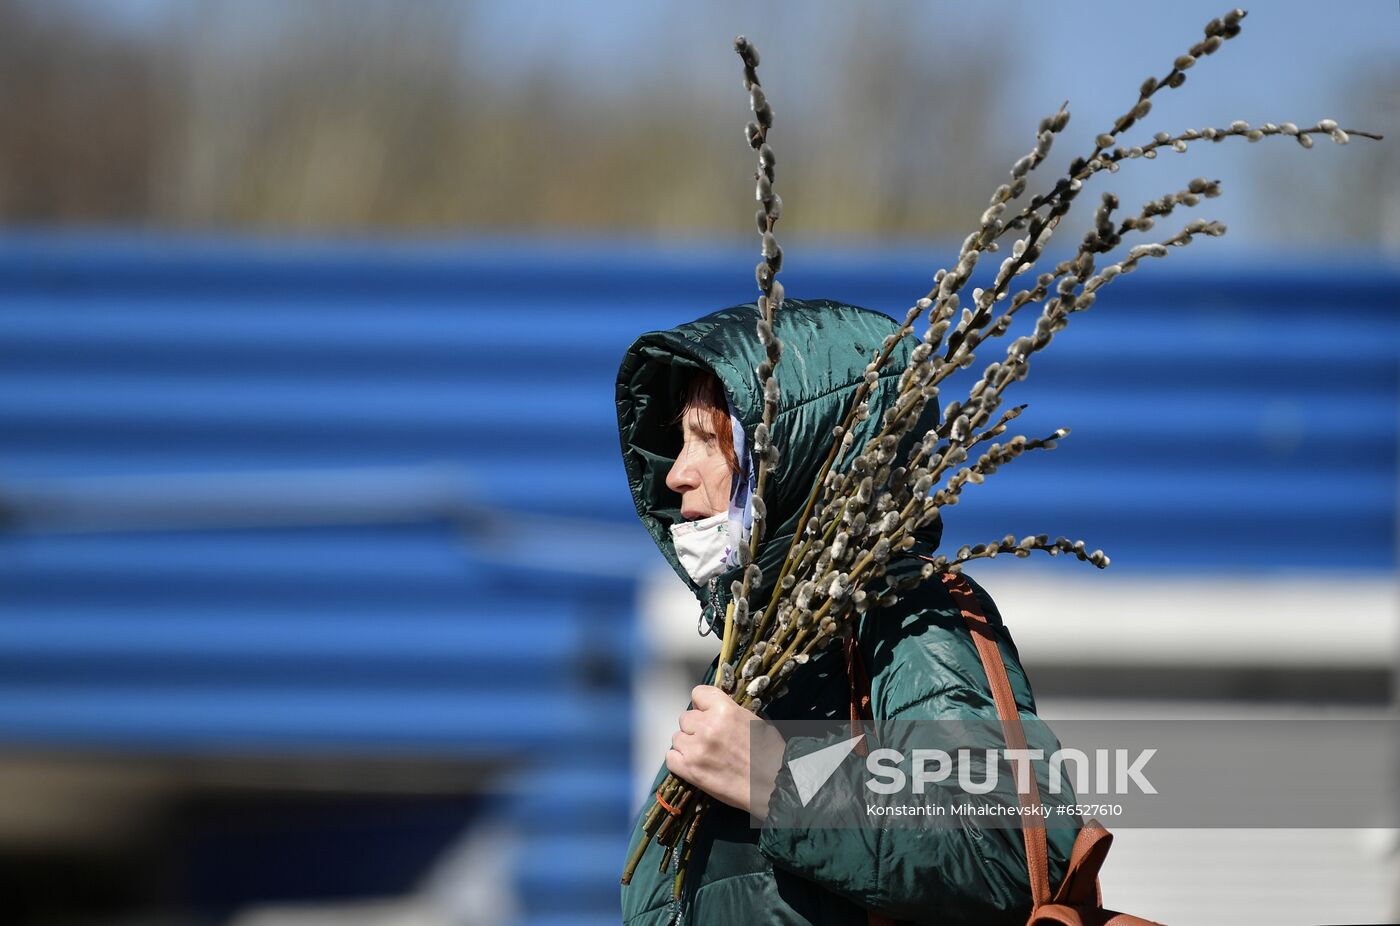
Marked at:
<point>682,475</point>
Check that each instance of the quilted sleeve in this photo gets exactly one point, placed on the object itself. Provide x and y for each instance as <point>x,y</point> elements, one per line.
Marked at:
<point>924,667</point>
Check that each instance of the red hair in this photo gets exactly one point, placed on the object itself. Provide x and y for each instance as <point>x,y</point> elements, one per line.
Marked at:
<point>704,393</point>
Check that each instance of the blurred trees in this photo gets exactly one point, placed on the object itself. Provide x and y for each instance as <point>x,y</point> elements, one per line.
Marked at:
<point>361,115</point>
<point>83,120</point>
<point>356,114</point>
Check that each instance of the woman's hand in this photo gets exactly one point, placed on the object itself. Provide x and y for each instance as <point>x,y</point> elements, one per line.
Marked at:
<point>727,751</point>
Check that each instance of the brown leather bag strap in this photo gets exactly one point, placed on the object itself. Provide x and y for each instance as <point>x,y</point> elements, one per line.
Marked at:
<point>985,638</point>
<point>1081,884</point>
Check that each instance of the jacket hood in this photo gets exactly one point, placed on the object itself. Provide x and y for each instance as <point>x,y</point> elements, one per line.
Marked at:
<point>826,347</point>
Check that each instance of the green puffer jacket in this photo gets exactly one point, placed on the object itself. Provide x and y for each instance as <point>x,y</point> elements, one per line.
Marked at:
<point>921,658</point>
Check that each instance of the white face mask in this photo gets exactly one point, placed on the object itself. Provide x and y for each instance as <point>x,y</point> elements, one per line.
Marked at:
<point>702,546</point>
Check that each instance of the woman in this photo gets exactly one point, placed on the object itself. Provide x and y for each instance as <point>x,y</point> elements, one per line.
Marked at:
<point>677,391</point>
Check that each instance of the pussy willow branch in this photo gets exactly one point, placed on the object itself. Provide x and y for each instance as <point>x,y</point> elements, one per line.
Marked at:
<point>941,301</point>
<point>738,623</point>
<point>737,619</point>
<point>884,542</point>
<point>1217,32</point>
<point>996,455</point>
<point>1029,248</point>
<point>1102,238</point>
<point>771,298</point>
<point>921,507</point>
<point>985,394</point>
<point>1098,240</point>
<point>1021,548</point>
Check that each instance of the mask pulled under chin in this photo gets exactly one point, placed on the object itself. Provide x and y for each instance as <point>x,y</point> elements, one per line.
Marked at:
<point>702,546</point>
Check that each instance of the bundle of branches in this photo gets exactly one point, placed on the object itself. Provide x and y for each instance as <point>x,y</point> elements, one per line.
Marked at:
<point>866,504</point>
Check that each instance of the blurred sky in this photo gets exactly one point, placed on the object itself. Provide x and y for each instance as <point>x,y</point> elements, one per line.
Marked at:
<point>1297,60</point>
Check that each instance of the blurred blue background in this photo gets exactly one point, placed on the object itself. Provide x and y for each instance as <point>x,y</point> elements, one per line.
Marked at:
<point>320,585</point>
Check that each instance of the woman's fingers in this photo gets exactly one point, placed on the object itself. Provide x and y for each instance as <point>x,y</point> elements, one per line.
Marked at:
<point>675,763</point>
<point>706,697</point>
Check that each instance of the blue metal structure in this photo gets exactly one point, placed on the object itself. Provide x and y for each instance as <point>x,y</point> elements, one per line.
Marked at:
<point>368,499</point>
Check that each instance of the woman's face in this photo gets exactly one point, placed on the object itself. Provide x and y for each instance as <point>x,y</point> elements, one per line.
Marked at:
<point>701,473</point>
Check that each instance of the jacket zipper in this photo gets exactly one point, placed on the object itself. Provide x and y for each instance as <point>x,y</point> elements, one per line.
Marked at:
<point>705,626</point>
<point>677,903</point>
